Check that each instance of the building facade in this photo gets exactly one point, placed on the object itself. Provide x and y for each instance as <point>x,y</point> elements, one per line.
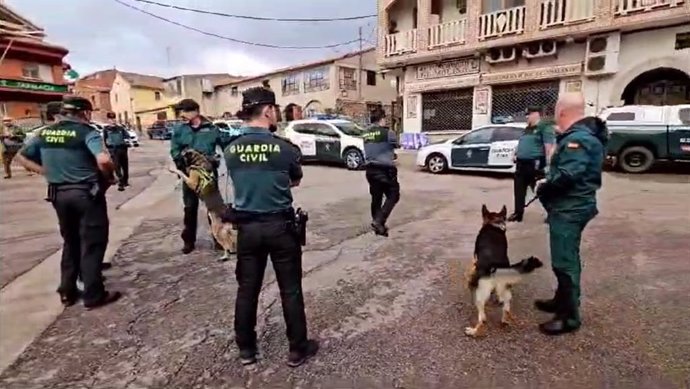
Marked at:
<point>31,70</point>
<point>199,87</point>
<point>464,63</point>
<point>349,85</point>
<point>96,88</point>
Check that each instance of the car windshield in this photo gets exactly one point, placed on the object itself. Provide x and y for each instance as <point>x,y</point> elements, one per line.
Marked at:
<point>351,129</point>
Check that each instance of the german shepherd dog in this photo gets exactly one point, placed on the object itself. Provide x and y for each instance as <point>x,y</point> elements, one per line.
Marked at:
<point>491,270</point>
<point>199,178</point>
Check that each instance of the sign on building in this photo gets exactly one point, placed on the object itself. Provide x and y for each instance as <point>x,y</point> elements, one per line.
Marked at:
<point>458,67</point>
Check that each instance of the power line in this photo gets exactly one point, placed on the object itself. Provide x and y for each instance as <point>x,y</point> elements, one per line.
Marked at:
<point>255,17</point>
<point>228,38</point>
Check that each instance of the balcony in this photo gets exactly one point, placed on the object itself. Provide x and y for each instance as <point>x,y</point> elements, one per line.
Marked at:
<point>504,22</point>
<point>624,7</point>
<point>448,34</point>
<point>555,13</point>
<point>400,43</point>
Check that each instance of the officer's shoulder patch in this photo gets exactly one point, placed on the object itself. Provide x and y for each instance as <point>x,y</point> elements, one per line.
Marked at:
<point>573,145</point>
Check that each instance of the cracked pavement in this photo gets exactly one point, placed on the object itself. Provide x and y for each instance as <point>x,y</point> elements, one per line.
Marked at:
<point>390,312</point>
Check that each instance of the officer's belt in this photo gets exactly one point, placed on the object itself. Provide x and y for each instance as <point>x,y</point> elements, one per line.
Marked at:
<point>243,217</point>
<point>79,186</point>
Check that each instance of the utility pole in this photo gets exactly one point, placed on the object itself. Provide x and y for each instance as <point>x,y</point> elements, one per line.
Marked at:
<point>359,70</point>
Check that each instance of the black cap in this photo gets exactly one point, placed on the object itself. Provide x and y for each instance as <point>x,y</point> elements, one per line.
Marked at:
<point>53,108</point>
<point>533,108</point>
<point>76,103</point>
<point>110,115</point>
<point>258,96</point>
<point>187,105</point>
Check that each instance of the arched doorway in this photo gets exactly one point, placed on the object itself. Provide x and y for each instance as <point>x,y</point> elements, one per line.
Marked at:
<point>312,108</point>
<point>660,86</point>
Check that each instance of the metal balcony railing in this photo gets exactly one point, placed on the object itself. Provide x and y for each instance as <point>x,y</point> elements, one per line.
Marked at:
<point>447,34</point>
<point>400,43</point>
<point>503,22</point>
<point>623,7</point>
<point>562,12</point>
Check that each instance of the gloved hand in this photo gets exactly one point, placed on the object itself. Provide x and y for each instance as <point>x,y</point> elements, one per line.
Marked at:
<point>546,190</point>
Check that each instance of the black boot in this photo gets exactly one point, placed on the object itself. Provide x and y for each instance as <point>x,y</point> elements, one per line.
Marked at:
<point>548,306</point>
<point>108,297</point>
<point>248,357</point>
<point>379,229</point>
<point>297,358</point>
<point>187,248</point>
<point>557,326</point>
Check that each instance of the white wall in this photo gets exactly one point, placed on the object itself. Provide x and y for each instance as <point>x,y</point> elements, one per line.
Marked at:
<point>383,91</point>
<point>401,13</point>
<point>639,52</point>
<point>121,98</point>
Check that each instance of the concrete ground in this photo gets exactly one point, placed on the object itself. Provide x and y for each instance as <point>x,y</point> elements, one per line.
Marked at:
<point>390,312</point>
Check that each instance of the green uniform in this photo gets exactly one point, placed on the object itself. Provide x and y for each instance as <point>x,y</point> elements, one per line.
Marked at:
<point>532,142</point>
<point>204,139</point>
<point>115,136</point>
<point>67,152</point>
<point>569,196</point>
<point>262,166</point>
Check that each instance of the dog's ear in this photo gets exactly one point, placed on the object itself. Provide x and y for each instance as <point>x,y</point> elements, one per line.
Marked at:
<point>504,212</point>
<point>485,211</point>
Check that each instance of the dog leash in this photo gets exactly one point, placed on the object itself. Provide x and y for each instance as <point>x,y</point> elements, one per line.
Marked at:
<point>531,201</point>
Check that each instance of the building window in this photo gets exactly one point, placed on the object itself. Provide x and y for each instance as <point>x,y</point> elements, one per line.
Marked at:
<point>157,96</point>
<point>31,71</point>
<point>316,80</point>
<point>234,91</point>
<point>290,85</point>
<point>116,97</point>
<point>489,6</point>
<point>621,116</point>
<point>93,100</point>
<point>683,41</point>
<point>347,79</point>
<point>371,78</point>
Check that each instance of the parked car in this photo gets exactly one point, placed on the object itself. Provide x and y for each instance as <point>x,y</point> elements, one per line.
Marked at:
<point>487,148</point>
<point>161,129</point>
<point>328,140</point>
<point>133,140</point>
<point>640,135</point>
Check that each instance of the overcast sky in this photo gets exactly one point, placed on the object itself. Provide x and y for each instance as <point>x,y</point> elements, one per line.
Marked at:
<point>102,34</point>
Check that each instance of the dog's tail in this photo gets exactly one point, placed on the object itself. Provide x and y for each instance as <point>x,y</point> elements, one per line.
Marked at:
<point>515,272</point>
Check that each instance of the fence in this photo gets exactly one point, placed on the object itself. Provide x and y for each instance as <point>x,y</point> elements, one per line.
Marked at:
<point>509,102</point>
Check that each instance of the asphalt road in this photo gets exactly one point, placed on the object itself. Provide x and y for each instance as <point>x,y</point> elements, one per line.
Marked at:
<point>390,312</point>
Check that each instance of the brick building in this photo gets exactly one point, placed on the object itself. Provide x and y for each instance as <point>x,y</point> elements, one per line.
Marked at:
<point>31,70</point>
<point>464,63</point>
<point>96,88</point>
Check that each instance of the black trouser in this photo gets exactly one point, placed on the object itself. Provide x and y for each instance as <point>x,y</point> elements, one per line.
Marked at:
<point>84,228</point>
<point>527,172</point>
<point>255,242</point>
<point>121,160</point>
<point>191,211</point>
<point>383,181</point>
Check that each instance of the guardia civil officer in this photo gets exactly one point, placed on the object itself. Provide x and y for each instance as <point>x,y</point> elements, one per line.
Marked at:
<point>72,156</point>
<point>198,133</point>
<point>569,196</point>
<point>533,151</point>
<point>380,143</point>
<point>263,168</point>
<point>115,137</point>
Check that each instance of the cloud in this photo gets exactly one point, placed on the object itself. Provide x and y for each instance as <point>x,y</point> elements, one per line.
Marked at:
<point>103,34</point>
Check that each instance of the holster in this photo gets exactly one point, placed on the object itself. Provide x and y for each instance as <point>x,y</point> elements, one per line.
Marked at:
<point>301,219</point>
<point>51,196</point>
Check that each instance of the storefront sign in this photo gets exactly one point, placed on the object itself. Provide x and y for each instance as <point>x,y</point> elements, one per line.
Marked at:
<point>481,101</point>
<point>411,107</point>
<point>573,86</point>
<point>33,86</point>
<point>459,67</point>
<point>445,84</point>
<point>533,74</point>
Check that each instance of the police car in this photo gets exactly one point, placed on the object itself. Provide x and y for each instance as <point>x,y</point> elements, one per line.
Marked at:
<point>487,148</point>
<point>326,139</point>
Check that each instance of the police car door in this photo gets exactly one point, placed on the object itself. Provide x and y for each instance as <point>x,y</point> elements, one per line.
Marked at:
<point>504,141</point>
<point>679,136</point>
<point>472,149</point>
<point>304,137</point>
<point>327,143</point>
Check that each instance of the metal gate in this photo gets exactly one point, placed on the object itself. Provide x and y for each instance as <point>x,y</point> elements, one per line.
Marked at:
<point>447,111</point>
<point>509,102</point>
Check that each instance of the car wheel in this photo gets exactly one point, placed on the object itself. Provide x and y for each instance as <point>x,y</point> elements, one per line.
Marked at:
<point>353,159</point>
<point>436,163</point>
<point>636,159</point>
